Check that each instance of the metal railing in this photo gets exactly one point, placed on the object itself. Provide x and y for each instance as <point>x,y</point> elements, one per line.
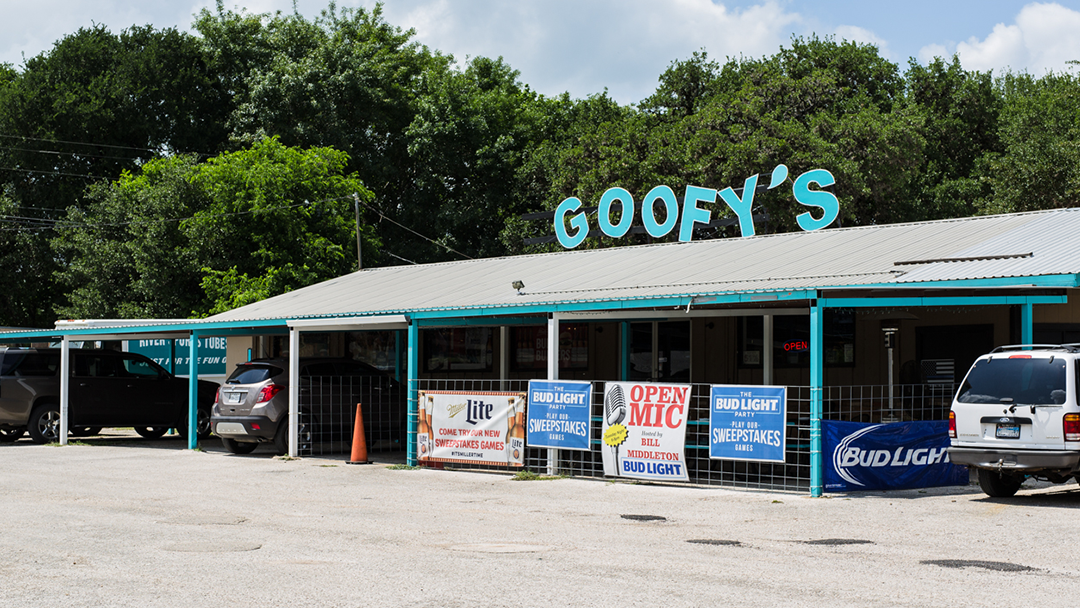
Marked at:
<point>872,403</point>
<point>793,474</point>
<point>328,413</point>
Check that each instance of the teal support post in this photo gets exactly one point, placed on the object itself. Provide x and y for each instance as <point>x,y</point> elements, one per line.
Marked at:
<point>624,351</point>
<point>193,390</point>
<point>399,357</point>
<point>414,387</point>
<point>1027,324</point>
<point>172,357</point>
<point>817,382</point>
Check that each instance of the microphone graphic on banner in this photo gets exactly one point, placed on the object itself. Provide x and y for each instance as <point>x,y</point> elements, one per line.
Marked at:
<point>614,414</point>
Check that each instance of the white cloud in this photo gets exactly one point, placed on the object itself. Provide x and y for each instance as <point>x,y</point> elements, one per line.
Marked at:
<point>864,36</point>
<point>1043,37</point>
<point>582,47</point>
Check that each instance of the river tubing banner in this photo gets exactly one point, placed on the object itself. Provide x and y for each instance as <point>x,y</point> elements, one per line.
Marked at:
<point>559,414</point>
<point>747,422</point>
<point>894,456</point>
<point>644,431</point>
<point>471,427</point>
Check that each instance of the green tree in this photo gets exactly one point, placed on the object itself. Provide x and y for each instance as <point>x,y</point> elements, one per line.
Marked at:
<point>1039,165</point>
<point>960,110</point>
<point>126,254</point>
<point>94,106</point>
<point>275,217</point>
<point>182,237</point>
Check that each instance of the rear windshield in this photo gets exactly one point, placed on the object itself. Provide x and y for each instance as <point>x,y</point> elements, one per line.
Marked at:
<point>253,374</point>
<point>29,364</point>
<point>1036,381</point>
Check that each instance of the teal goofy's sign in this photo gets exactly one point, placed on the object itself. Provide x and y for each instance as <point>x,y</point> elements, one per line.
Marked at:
<point>691,213</point>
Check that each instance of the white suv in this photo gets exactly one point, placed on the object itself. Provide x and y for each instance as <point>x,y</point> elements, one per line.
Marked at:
<point>1017,415</point>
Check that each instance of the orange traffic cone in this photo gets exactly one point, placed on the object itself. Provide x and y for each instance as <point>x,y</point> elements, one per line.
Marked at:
<point>359,444</point>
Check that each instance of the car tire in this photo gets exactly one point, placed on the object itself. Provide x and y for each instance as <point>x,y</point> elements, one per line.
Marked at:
<point>202,425</point>
<point>238,447</point>
<point>44,424</point>
<point>11,434</point>
<point>151,432</point>
<point>84,431</point>
<point>281,437</point>
<point>999,485</point>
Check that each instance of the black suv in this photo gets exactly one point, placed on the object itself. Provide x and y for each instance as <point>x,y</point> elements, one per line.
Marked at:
<point>107,389</point>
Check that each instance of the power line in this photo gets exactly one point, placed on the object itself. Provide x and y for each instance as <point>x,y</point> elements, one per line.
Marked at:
<point>87,176</point>
<point>433,241</point>
<point>83,143</point>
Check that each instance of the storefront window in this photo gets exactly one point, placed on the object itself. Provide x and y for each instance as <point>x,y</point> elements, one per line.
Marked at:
<point>528,347</point>
<point>458,349</point>
<point>791,340</point>
<point>376,348</point>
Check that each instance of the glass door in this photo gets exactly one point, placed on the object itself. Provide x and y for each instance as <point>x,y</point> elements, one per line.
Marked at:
<point>660,351</point>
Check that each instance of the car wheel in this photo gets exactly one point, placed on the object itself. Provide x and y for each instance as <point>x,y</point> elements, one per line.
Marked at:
<point>44,424</point>
<point>999,485</point>
<point>84,431</point>
<point>10,434</point>
<point>281,437</point>
<point>238,447</point>
<point>202,425</point>
<point>150,432</point>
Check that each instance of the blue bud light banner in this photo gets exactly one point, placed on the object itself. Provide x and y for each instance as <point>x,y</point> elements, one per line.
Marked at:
<point>559,414</point>
<point>893,456</point>
<point>747,422</point>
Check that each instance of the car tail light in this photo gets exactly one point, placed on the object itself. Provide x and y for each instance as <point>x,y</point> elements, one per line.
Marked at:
<point>217,396</point>
<point>1071,422</point>
<point>267,393</point>
<point>952,425</point>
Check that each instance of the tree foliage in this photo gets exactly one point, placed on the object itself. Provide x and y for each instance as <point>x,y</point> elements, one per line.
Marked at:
<point>154,173</point>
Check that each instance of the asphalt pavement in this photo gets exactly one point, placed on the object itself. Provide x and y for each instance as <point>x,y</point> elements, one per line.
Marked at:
<point>120,521</point>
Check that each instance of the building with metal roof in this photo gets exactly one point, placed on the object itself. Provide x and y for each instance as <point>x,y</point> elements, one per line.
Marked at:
<point>1007,276</point>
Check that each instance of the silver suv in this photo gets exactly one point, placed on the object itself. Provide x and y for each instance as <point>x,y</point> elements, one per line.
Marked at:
<point>1017,415</point>
<point>252,407</point>
<point>108,388</point>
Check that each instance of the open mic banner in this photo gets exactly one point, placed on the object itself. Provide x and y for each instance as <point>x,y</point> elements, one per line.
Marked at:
<point>471,427</point>
<point>644,431</point>
<point>893,456</point>
<point>559,414</point>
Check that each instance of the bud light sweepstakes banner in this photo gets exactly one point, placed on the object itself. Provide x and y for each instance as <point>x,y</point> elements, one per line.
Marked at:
<point>895,456</point>
<point>644,430</point>
<point>472,427</point>
<point>559,414</point>
<point>747,422</point>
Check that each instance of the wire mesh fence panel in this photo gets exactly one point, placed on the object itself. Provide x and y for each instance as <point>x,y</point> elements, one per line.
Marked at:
<point>792,474</point>
<point>328,413</point>
<point>872,403</point>
<point>479,386</point>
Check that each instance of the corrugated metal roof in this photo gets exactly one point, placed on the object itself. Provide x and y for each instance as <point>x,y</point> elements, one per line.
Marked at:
<point>838,257</point>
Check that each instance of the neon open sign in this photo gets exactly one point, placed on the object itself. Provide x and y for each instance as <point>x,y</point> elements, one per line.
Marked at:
<point>691,214</point>
<point>796,346</point>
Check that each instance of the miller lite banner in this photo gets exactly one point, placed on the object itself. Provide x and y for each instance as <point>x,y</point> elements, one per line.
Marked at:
<point>894,456</point>
<point>471,427</point>
<point>644,432</point>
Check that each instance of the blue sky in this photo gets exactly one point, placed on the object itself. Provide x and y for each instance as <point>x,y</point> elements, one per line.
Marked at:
<point>585,46</point>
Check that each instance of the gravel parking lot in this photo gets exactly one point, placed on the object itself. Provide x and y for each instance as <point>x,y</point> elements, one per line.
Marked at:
<point>118,521</point>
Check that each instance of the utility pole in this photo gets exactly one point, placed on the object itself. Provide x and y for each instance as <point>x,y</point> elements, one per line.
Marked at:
<point>356,206</point>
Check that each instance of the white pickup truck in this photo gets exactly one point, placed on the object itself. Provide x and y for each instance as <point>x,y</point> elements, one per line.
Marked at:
<point>1017,415</point>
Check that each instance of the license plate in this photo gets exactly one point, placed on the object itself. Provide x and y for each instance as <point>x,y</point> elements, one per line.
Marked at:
<point>1008,431</point>
<point>233,397</point>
